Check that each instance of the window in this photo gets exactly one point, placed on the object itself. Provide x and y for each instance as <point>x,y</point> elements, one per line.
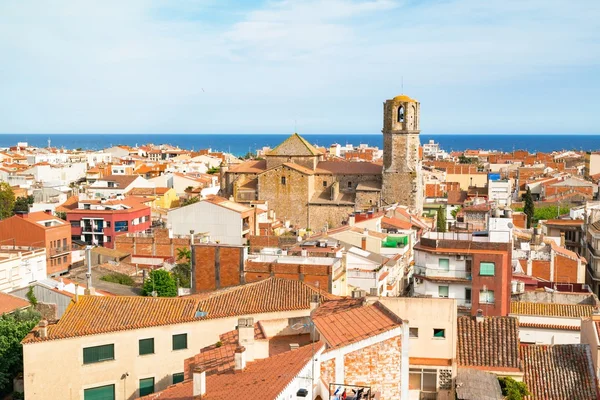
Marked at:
<point>486,296</point>
<point>65,243</point>
<point>400,114</point>
<point>324,183</point>
<point>178,377</point>
<point>100,393</point>
<point>468,295</point>
<point>283,180</point>
<point>443,291</point>
<point>121,226</point>
<point>108,224</point>
<point>413,332</point>
<point>108,239</point>
<point>86,207</point>
<point>350,185</point>
<point>444,264</point>
<point>75,224</point>
<point>146,386</point>
<point>146,346</point>
<point>64,259</point>
<point>486,268</point>
<point>180,341</point>
<point>98,353</point>
<point>422,379</point>
<point>439,333</point>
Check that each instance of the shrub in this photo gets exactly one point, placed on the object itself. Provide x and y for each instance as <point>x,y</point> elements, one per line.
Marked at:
<point>512,389</point>
<point>119,278</point>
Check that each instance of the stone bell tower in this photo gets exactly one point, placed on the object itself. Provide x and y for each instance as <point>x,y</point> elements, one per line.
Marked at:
<point>402,177</point>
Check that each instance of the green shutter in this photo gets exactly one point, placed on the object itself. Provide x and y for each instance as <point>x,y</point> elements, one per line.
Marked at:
<point>146,386</point>
<point>100,393</point>
<point>146,346</point>
<point>487,268</point>
<point>98,353</point>
<point>444,264</point>
<point>180,341</point>
<point>177,378</point>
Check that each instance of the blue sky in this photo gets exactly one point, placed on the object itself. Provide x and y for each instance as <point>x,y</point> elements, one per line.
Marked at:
<point>217,66</point>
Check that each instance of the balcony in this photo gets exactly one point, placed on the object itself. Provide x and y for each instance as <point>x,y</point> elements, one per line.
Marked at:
<point>428,395</point>
<point>431,272</point>
<point>55,251</point>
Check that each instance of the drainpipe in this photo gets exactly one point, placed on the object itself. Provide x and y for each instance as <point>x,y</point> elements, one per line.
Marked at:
<point>404,362</point>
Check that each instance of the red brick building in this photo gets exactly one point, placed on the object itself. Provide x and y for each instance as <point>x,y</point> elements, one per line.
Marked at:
<point>98,222</point>
<point>40,229</point>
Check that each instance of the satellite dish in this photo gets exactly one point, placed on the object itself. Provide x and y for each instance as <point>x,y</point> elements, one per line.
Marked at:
<point>510,225</point>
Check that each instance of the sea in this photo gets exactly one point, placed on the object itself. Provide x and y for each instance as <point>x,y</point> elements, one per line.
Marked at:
<point>241,144</point>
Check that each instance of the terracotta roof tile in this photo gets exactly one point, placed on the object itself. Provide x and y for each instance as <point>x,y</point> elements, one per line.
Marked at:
<point>559,371</point>
<point>10,303</point>
<point>93,315</point>
<point>351,325</point>
<point>551,309</point>
<point>262,379</point>
<point>250,166</point>
<point>491,343</point>
<point>269,295</point>
<point>550,326</point>
<point>348,168</point>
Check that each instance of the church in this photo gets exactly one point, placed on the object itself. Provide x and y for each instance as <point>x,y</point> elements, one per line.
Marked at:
<point>301,185</point>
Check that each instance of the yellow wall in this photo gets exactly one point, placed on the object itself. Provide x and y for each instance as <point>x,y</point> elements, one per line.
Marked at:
<point>54,369</point>
<point>166,200</point>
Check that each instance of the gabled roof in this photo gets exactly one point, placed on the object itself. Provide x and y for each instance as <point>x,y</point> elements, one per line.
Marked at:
<point>269,295</point>
<point>295,145</point>
<point>349,325</point>
<point>472,384</point>
<point>122,181</point>
<point>492,343</point>
<point>92,315</point>
<point>551,309</point>
<point>10,303</point>
<point>559,371</point>
<point>262,379</point>
<point>250,166</point>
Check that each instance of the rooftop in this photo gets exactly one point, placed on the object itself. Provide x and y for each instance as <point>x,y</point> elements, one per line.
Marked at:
<point>559,371</point>
<point>492,343</point>
<point>340,325</point>
<point>10,303</point>
<point>551,309</point>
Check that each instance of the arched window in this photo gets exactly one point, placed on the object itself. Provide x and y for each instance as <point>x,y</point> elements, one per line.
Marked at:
<point>400,114</point>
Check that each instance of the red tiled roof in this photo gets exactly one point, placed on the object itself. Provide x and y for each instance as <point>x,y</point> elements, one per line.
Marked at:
<point>491,343</point>
<point>355,324</point>
<point>102,314</point>
<point>348,168</point>
<point>551,309</point>
<point>269,295</point>
<point>395,223</point>
<point>121,180</point>
<point>559,371</point>
<point>550,326</point>
<point>262,379</point>
<point>10,303</point>
<point>250,166</point>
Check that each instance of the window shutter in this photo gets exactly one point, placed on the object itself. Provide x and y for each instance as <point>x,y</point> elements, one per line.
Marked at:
<point>180,341</point>
<point>487,268</point>
<point>146,346</point>
<point>146,386</point>
<point>177,378</point>
<point>100,393</point>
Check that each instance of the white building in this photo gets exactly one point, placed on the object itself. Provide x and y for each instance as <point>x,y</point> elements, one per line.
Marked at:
<point>114,185</point>
<point>20,266</point>
<point>500,192</point>
<point>221,220</point>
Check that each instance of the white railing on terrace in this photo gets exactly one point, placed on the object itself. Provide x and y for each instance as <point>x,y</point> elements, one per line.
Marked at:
<point>441,273</point>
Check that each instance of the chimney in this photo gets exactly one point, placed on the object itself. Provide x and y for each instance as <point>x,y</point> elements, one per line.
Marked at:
<point>199,384</point>
<point>294,346</point>
<point>22,214</point>
<point>43,329</point>
<point>363,243</point>
<point>562,239</point>
<point>240,358</point>
<point>479,316</point>
<point>314,301</point>
<point>246,336</point>
<point>76,292</point>
<point>49,212</point>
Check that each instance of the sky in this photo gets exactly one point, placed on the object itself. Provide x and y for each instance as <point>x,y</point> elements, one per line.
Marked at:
<point>314,66</point>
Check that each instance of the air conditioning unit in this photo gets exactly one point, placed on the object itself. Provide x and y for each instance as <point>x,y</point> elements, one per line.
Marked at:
<point>460,258</point>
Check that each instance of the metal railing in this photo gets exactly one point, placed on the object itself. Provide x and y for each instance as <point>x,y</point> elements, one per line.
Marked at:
<point>441,272</point>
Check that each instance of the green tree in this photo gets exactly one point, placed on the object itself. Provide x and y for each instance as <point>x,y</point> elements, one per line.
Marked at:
<point>529,208</point>
<point>189,201</point>
<point>7,200</point>
<point>182,271</point>
<point>213,170</point>
<point>22,204</point>
<point>455,212</point>
<point>512,389</point>
<point>441,220</point>
<point>466,160</point>
<point>61,214</point>
<point>161,282</point>
<point>13,328</point>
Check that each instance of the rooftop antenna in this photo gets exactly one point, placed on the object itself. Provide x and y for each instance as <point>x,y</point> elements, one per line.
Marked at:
<point>402,83</point>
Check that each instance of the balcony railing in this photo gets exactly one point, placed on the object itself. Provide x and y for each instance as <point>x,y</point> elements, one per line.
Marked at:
<point>441,272</point>
<point>428,395</point>
<point>59,250</point>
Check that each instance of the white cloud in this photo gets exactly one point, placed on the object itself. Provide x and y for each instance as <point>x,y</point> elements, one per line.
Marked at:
<point>202,66</point>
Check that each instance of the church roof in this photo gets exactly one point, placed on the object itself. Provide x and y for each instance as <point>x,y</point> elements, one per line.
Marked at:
<point>403,98</point>
<point>295,145</point>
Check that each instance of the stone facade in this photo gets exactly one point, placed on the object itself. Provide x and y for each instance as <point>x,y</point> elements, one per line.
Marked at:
<point>304,188</point>
<point>402,179</point>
